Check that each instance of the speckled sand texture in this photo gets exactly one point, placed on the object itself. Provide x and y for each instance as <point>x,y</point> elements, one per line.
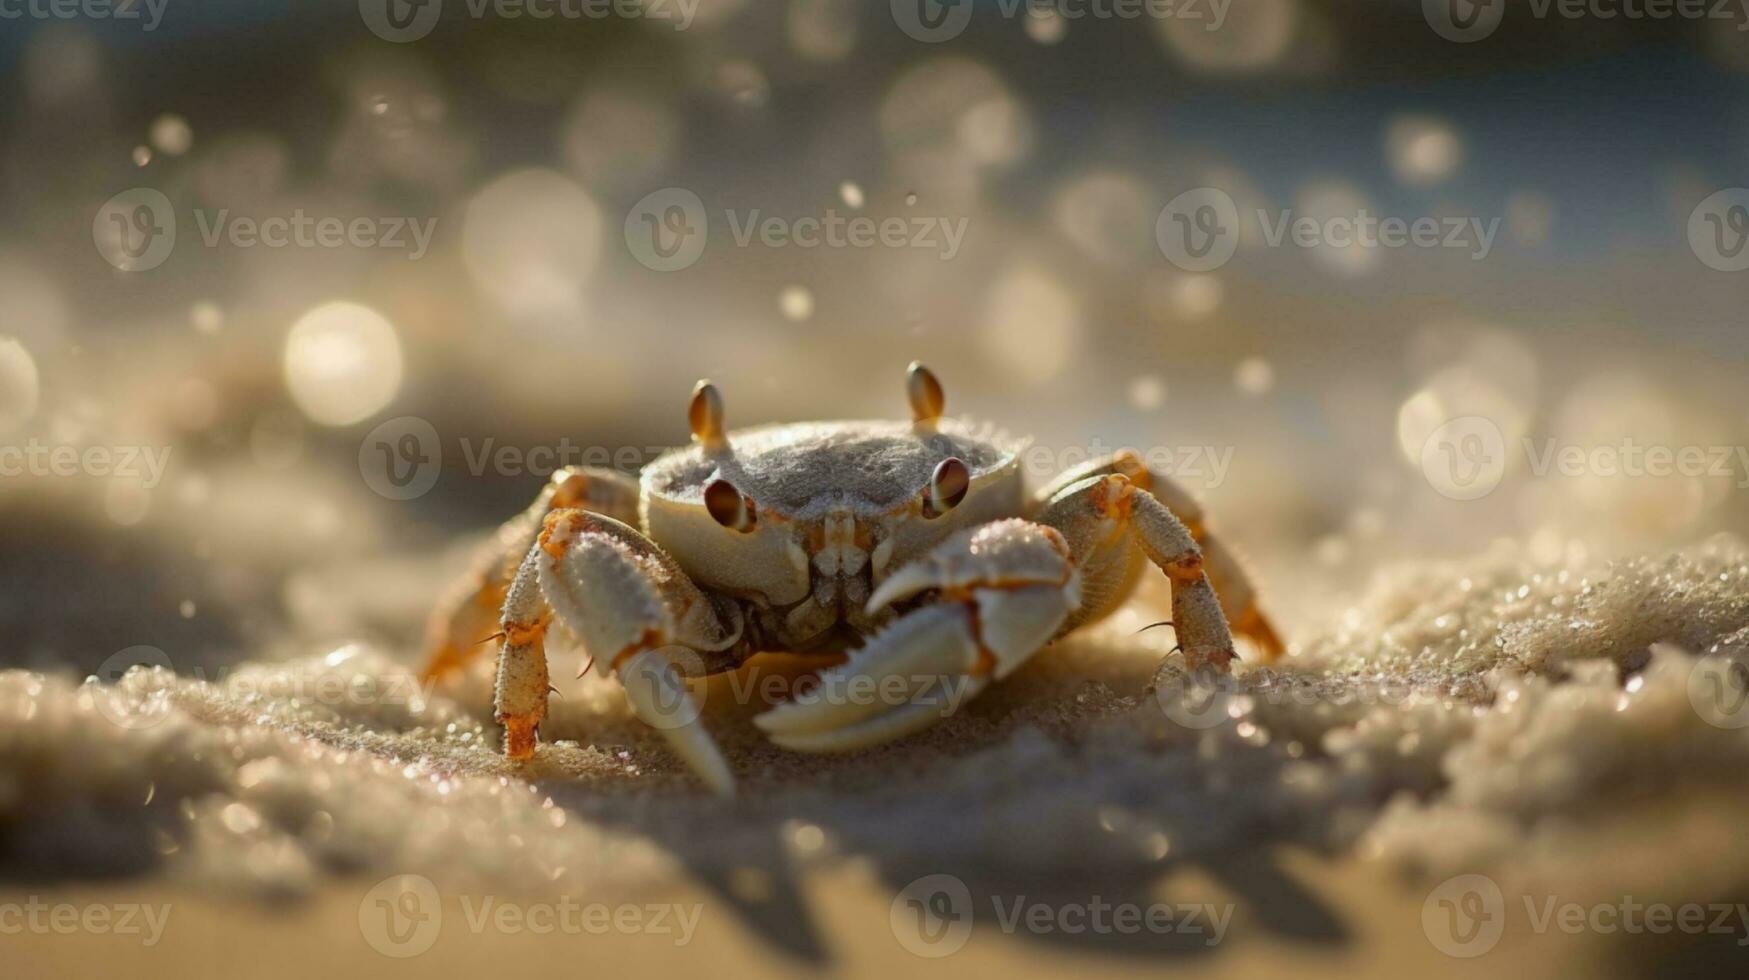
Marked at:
<point>1482,711</point>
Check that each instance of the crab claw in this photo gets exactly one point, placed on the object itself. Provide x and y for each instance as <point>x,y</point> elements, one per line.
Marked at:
<point>1006,589</point>
<point>660,699</point>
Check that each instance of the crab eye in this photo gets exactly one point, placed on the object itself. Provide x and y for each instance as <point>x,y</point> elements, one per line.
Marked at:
<point>730,507</point>
<point>947,487</point>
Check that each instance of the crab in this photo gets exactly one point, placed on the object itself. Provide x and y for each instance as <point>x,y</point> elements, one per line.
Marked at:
<point>910,546</point>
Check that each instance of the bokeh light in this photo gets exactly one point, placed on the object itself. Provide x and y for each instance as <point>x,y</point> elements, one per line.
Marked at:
<point>19,385</point>
<point>1031,325</point>
<point>1422,150</point>
<point>1257,34</point>
<point>531,239</point>
<point>342,363</point>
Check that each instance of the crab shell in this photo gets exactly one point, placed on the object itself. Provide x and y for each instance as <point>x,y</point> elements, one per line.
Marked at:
<point>824,497</point>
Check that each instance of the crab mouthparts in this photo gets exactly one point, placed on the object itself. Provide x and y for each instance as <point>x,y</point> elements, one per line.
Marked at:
<point>840,546</point>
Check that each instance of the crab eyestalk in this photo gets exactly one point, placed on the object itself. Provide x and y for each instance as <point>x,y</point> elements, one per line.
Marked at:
<point>705,416</point>
<point>730,507</point>
<point>928,401</point>
<point>947,487</point>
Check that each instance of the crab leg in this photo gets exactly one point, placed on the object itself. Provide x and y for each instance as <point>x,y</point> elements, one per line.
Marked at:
<point>1005,588</point>
<point>462,622</point>
<point>1226,573</point>
<point>633,608</point>
<point>1102,516</point>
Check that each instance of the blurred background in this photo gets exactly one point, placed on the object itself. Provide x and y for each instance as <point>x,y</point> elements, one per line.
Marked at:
<point>298,300</point>
<point>528,232</point>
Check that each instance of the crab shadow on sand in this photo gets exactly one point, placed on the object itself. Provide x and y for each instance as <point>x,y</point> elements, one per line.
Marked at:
<point>996,800</point>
